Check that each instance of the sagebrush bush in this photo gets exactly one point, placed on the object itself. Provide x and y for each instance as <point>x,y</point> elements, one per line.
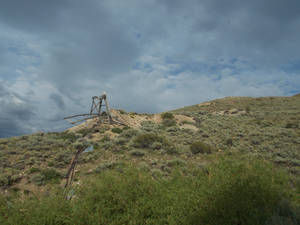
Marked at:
<point>137,152</point>
<point>156,145</point>
<point>176,162</point>
<point>229,142</point>
<point>105,166</point>
<point>116,130</point>
<point>292,125</point>
<point>172,129</point>
<point>67,136</point>
<point>154,142</point>
<point>200,147</point>
<point>120,141</point>
<point>145,140</point>
<point>228,192</point>
<point>129,133</point>
<point>34,170</point>
<point>284,214</point>
<point>245,192</point>
<point>149,126</point>
<point>167,115</point>
<point>168,119</point>
<point>84,132</point>
<point>169,122</point>
<point>46,176</point>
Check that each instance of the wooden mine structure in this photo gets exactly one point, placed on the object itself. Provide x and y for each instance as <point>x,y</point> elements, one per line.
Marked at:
<point>97,110</point>
<point>71,171</point>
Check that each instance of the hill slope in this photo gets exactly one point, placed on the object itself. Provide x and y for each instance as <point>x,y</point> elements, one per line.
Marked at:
<point>194,136</point>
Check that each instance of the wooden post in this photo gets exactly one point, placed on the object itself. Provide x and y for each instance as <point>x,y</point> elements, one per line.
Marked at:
<point>97,104</point>
<point>107,109</point>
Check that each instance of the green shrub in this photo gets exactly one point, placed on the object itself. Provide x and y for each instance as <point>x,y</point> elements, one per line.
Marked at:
<point>105,166</point>
<point>137,153</point>
<point>149,126</point>
<point>105,138</point>
<point>200,147</point>
<point>51,164</point>
<point>176,162</point>
<point>19,165</point>
<point>34,170</point>
<point>129,133</point>
<point>146,140</point>
<point>4,180</point>
<point>156,145</point>
<point>38,179</point>
<point>122,111</point>
<point>155,142</point>
<point>46,176</point>
<point>228,192</point>
<point>170,149</point>
<point>284,214</point>
<point>9,178</point>
<point>168,119</point>
<point>169,122</point>
<point>240,192</point>
<point>172,129</point>
<point>66,135</point>
<point>125,128</point>
<point>63,157</point>
<point>50,174</point>
<point>120,141</point>
<point>37,209</point>
<point>116,130</point>
<point>167,116</point>
<point>247,109</point>
<point>291,125</point>
<point>85,131</point>
<point>229,142</point>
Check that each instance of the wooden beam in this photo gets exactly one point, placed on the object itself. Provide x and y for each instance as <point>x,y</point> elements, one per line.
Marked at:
<point>86,114</point>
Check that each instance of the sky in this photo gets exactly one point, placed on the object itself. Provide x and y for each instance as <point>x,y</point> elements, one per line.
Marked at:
<point>148,56</point>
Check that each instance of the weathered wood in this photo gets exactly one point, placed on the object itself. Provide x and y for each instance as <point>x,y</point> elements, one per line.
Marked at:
<point>95,111</point>
<point>107,110</point>
<point>71,170</point>
<point>78,121</point>
<point>98,102</point>
<point>85,114</point>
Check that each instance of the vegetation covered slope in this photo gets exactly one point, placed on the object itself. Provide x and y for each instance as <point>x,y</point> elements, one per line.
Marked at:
<point>193,141</point>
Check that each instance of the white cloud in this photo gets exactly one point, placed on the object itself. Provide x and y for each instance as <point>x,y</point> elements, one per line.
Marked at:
<point>149,56</point>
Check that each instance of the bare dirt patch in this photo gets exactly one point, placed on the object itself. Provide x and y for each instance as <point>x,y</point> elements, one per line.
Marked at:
<point>132,120</point>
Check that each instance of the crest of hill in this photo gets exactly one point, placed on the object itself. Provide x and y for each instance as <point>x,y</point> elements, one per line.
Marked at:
<point>242,103</point>
<point>297,95</point>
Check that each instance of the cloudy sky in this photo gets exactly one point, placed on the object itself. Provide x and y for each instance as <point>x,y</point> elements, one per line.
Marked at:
<point>148,55</point>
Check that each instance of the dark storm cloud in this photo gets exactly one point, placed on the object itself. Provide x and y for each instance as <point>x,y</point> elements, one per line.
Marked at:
<point>32,15</point>
<point>258,31</point>
<point>58,100</point>
<point>14,113</point>
<point>3,91</point>
<point>148,55</point>
<point>95,40</point>
<point>84,41</point>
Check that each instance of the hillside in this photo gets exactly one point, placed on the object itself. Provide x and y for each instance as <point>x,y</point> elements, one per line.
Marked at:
<point>269,127</point>
<point>239,128</point>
